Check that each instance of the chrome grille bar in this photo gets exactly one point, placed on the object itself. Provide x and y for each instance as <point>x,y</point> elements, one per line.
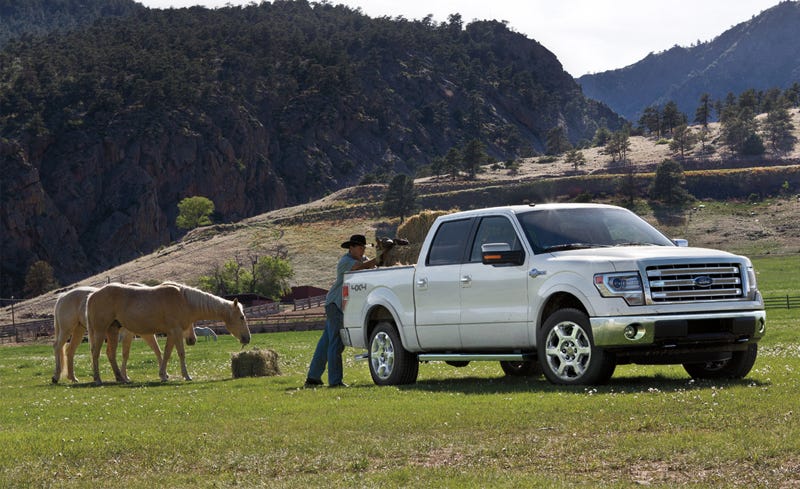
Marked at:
<point>694,282</point>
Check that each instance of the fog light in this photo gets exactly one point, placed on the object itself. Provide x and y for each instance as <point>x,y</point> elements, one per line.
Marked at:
<point>631,331</point>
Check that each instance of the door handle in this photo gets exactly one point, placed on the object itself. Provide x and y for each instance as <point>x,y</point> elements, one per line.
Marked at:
<point>422,283</point>
<point>466,280</point>
<point>535,273</point>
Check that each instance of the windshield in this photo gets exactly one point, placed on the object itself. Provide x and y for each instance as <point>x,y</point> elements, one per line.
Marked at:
<point>550,230</point>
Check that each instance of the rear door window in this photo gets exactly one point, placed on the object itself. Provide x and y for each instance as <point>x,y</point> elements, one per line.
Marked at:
<point>449,243</point>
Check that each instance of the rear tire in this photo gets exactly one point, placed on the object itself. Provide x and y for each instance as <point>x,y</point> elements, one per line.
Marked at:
<point>567,352</point>
<point>389,362</point>
<point>521,368</point>
<point>736,367</point>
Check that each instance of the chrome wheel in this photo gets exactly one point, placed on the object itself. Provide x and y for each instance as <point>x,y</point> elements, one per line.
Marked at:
<point>568,351</point>
<point>381,355</point>
<point>389,362</point>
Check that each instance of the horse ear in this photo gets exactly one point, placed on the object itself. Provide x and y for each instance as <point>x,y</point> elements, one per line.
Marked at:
<point>235,301</point>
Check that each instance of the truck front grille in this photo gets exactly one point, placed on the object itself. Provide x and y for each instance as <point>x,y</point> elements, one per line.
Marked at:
<point>695,282</point>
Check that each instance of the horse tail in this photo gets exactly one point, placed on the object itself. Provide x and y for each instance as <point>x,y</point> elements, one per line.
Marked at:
<point>62,351</point>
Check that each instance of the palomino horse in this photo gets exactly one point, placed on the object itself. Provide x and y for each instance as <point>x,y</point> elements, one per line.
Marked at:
<point>167,308</point>
<point>69,321</point>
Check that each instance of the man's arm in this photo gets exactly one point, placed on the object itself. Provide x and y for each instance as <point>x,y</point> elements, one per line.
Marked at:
<point>367,264</point>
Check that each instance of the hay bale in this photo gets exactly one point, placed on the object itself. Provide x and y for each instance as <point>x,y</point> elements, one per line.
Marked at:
<point>255,363</point>
<point>414,229</point>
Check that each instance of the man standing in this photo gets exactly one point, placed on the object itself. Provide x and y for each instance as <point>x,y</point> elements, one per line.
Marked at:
<point>330,347</point>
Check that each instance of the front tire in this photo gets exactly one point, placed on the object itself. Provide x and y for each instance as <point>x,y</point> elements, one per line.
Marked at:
<point>389,362</point>
<point>567,352</point>
<point>736,367</point>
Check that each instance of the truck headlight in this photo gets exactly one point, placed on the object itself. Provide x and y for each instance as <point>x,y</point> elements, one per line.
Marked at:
<point>752,287</point>
<point>627,285</point>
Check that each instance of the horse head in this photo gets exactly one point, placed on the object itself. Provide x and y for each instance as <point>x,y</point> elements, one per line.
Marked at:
<point>190,336</point>
<point>236,322</point>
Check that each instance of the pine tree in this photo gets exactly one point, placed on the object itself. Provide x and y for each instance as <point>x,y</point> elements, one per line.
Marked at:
<point>778,129</point>
<point>650,120</point>
<point>618,146</point>
<point>668,185</point>
<point>473,156</point>
<point>683,139</point>
<point>703,113</point>
<point>400,197</point>
<point>557,141</point>
<point>671,117</point>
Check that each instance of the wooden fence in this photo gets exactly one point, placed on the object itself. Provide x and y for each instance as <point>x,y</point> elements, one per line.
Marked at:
<point>28,331</point>
<point>308,303</point>
<point>786,302</point>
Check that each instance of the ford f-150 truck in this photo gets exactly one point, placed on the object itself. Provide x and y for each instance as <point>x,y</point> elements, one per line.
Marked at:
<point>567,290</point>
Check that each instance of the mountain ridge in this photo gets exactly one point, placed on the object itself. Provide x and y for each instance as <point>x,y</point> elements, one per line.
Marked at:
<point>759,53</point>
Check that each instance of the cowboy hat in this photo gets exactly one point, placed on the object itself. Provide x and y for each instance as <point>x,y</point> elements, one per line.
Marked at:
<point>356,239</point>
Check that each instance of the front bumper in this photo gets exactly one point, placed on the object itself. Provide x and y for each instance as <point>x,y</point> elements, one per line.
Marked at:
<point>678,329</point>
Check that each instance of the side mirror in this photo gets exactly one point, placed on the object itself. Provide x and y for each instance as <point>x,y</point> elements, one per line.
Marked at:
<point>501,254</point>
<point>680,242</point>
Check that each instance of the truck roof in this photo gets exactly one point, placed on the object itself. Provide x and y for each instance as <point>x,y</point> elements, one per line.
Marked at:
<point>515,209</point>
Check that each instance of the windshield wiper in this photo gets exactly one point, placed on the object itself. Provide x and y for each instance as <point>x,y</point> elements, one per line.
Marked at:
<point>635,243</point>
<point>571,246</point>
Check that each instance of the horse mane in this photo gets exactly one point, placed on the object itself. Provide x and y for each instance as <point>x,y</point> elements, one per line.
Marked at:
<point>202,300</point>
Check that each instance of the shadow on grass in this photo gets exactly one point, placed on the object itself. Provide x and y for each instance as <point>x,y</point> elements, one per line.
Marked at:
<point>657,383</point>
<point>136,385</point>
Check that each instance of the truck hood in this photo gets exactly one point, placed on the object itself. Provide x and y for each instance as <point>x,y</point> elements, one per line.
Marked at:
<point>626,257</point>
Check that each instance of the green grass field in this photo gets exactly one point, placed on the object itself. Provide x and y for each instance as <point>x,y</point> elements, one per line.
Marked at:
<point>467,427</point>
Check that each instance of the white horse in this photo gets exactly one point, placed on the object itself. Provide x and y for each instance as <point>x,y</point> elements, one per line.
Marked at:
<point>167,308</point>
<point>70,325</point>
<point>204,331</point>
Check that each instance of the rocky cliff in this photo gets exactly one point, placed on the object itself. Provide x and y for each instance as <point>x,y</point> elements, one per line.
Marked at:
<point>105,130</point>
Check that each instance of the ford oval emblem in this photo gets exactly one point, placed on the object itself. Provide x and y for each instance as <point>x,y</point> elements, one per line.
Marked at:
<point>704,281</point>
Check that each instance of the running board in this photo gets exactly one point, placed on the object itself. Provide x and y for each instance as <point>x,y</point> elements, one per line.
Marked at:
<point>465,357</point>
<point>476,357</point>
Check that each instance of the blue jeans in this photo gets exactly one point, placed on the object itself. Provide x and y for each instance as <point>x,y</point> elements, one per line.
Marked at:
<point>329,348</point>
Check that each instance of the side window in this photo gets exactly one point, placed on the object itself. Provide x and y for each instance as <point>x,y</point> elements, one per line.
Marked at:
<point>448,245</point>
<point>494,229</point>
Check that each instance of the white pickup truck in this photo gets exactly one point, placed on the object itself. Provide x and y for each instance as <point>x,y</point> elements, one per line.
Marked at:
<point>567,290</point>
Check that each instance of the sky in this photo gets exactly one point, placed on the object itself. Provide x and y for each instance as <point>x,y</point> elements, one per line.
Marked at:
<point>587,36</point>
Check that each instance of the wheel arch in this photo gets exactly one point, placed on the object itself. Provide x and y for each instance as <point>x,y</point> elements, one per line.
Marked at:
<point>379,313</point>
<point>557,301</point>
